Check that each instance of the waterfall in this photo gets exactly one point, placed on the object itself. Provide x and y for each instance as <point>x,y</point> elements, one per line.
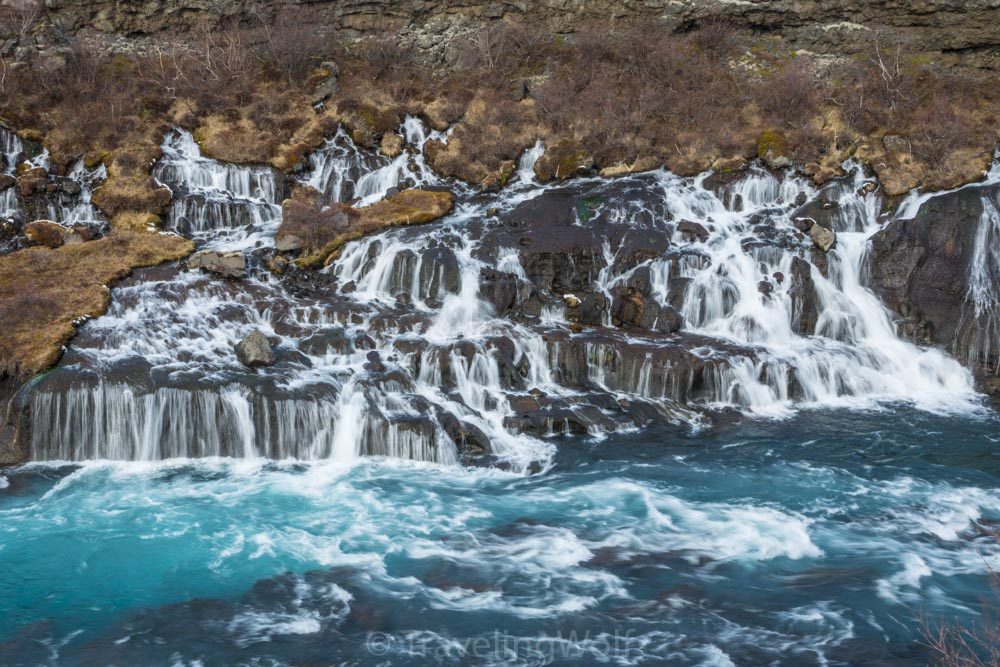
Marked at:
<point>12,149</point>
<point>217,203</point>
<point>459,340</point>
<point>980,325</point>
<point>78,210</point>
<point>345,173</point>
<point>526,165</point>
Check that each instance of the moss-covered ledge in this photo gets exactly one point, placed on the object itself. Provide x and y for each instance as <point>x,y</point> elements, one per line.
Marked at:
<point>47,292</point>
<point>320,230</point>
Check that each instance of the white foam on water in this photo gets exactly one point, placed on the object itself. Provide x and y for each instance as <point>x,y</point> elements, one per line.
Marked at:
<point>331,403</point>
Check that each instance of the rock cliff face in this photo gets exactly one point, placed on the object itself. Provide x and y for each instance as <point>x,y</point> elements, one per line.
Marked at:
<point>924,270</point>
<point>964,32</point>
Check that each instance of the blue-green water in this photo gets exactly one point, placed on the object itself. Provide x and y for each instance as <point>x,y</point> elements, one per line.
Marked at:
<point>817,540</point>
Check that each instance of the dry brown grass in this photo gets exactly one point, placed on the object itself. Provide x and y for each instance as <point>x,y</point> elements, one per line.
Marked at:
<point>326,228</point>
<point>46,292</point>
<point>624,96</point>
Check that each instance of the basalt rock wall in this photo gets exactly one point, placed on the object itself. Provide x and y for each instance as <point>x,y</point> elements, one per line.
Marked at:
<point>965,32</point>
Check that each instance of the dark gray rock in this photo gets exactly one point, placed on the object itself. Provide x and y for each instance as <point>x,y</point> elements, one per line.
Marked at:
<point>255,351</point>
<point>920,267</point>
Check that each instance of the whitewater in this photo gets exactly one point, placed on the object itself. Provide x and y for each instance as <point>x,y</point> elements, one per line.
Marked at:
<point>730,483</point>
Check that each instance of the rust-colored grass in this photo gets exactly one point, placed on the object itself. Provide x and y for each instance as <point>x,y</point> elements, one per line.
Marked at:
<point>47,291</point>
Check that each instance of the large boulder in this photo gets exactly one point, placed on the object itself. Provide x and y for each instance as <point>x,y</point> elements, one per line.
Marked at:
<point>255,350</point>
<point>921,267</point>
<point>563,160</point>
<point>802,291</point>
<point>45,233</point>
<point>226,264</point>
<point>823,238</point>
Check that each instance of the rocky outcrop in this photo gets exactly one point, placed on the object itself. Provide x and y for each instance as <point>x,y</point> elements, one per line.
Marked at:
<point>823,238</point>
<point>921,268</point>
<point>226,264</point>
<point>321,228</point>
<point>961,31</point>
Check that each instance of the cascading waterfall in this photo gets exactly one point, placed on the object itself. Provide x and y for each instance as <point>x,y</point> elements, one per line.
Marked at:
<point>216,202</point>
<point>79,210</point>
<point>853,356</point>
<point>411,358</point>
<point>343,172</point>
<point>12,149</point>
<point>980,325</point>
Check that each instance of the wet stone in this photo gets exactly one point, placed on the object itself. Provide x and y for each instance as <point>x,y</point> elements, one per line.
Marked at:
<point>254,351</point>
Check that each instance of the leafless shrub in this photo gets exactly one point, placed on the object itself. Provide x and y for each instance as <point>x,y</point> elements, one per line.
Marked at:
<point>385,56</point>
<point>789,96</point>
<point>22,16</point>
<point>290,47</point>
<point>955,645</point>
<point>717,37</point>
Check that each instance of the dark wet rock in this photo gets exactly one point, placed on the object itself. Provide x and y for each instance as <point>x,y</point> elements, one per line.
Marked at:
<point>330,341</point>
<point>802,291</point>
<point>6,181</point>
<point>70,186</point>
<point>770,236</point>
<point>765,287</point>
<point>374,363</point>
<point>803,224</point>
<point>472,443</point>
<point>254,351</point>
<point>590,311</point>
<point>631,308</point>
<point>692,231</point>
<point>920,268</point>
<point>820,211</point>
<point>226,264</point>
<point>567,232</point>
<point>779,277</point>
<point>439,272</point>
<point>499,289</point>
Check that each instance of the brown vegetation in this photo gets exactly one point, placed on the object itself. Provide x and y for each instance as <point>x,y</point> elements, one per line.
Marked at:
<point>604,100</point>
<point>324,229</point>
<point>622,97</point>
<point>46,292</point>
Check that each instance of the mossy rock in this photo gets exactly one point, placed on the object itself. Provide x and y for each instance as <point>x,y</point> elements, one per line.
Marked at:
<point>773,149</point>
<point>409,207</point>
<point>136,221</point>
<point>565,159</point>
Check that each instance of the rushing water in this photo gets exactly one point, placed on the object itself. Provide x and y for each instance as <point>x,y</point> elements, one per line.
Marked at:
<point>749,467</point>
<point>816,540</point>
<point>66,207</point>
<point>362,372</point>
